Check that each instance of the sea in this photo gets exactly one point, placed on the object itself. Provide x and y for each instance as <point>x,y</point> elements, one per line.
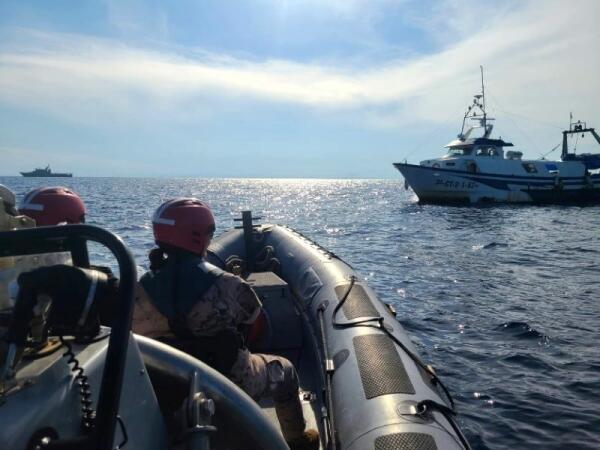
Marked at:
<point>503,301</point>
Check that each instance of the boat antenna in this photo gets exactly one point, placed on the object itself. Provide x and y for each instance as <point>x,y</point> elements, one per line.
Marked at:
<point>476,108</point>
<point>483,100</point>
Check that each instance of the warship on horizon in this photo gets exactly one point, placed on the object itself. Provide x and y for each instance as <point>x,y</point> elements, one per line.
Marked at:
<point>47,172</point>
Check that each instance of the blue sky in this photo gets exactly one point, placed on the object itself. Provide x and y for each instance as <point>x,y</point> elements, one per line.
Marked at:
<point>265,88</point>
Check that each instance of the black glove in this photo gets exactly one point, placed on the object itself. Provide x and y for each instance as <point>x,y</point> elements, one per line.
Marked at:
<point>106,306</point>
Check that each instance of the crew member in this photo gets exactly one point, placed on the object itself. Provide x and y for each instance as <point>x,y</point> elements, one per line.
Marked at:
<point>185,296</point>
<point>58,205</point>
<point>9,220</point>
<point>50,206</point>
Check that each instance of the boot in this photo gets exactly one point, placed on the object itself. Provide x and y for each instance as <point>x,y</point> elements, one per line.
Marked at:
<point>292,424</point>
<point>291,419</point>
<point>308,440</point>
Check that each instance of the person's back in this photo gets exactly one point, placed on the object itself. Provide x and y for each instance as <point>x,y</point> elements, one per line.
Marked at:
<point>185,299</point>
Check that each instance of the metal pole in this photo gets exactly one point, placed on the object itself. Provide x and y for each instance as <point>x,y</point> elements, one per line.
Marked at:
<point>483,99</point>
<point>249,244</point>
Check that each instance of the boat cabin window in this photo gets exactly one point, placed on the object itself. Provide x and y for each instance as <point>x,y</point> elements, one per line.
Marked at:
<point>514,155</point>
<point>487,151</point>
<point>459,151</point>
<point>530,167</point>
<point>471,167</point>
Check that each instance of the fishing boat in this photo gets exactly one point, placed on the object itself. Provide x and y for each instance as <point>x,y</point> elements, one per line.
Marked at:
<point>46,172</point>
<point>479,169</point>
<point>79,385</point>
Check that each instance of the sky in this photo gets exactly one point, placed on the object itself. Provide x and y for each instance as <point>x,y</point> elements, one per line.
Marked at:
<point>284,88</point>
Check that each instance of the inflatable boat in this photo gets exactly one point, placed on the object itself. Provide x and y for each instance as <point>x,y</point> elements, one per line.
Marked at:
<point>68,383</point>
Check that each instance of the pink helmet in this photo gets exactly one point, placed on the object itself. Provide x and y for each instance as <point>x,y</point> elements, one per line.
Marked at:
<point>53,205</point>
<point>185,223</point>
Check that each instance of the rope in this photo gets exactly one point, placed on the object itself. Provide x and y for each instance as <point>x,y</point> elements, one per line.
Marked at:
<point>447,121</point>
<point>576,142</point>
<point>378,322</point>
<point>541,122</point>
<point>547,153</point>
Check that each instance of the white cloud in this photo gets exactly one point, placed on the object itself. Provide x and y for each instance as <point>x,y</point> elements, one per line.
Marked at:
<point>539,60</point>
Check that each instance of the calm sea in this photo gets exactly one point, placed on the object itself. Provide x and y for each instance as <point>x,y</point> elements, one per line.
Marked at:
<point>503,301</point>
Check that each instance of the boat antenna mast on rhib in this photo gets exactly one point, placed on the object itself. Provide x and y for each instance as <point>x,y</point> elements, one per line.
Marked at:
<point>476,111</point>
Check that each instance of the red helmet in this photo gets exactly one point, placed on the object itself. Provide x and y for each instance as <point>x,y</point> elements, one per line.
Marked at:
<point>185,223</point>
<point>53,205</point>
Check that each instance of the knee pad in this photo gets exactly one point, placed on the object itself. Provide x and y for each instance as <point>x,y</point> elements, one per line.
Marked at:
<point>282,379</point>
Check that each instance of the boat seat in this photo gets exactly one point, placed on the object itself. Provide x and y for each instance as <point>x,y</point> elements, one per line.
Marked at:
<point>284,324</point>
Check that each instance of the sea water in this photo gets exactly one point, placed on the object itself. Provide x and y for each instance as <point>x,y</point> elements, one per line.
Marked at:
<point>504,301</point>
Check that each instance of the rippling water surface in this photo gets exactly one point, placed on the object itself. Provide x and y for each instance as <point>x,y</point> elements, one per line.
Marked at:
<point>504,301</point>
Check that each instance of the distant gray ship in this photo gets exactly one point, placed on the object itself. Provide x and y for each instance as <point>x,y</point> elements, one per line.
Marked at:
<point>45,173</point>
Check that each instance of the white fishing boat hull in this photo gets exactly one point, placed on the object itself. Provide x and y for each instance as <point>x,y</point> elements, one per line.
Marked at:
<point>439,185</point>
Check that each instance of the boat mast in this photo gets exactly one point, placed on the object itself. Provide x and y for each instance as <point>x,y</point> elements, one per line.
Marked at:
<point>483,102</point>
<point>477,106</point>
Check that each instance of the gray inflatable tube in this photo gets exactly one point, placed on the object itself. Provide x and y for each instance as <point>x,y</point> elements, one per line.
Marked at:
<point>381,397</point>
<point>230,399</point>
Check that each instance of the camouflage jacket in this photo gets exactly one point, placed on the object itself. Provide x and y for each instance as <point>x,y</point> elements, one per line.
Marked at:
<point>228,303</point>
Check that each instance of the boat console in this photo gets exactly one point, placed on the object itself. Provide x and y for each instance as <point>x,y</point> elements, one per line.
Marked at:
<point>283,326</point>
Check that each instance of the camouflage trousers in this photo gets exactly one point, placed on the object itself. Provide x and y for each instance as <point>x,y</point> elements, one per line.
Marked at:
<point>261,375</point>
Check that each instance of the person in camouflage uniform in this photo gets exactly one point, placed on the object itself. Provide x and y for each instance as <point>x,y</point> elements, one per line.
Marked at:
<point>184,296</point>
